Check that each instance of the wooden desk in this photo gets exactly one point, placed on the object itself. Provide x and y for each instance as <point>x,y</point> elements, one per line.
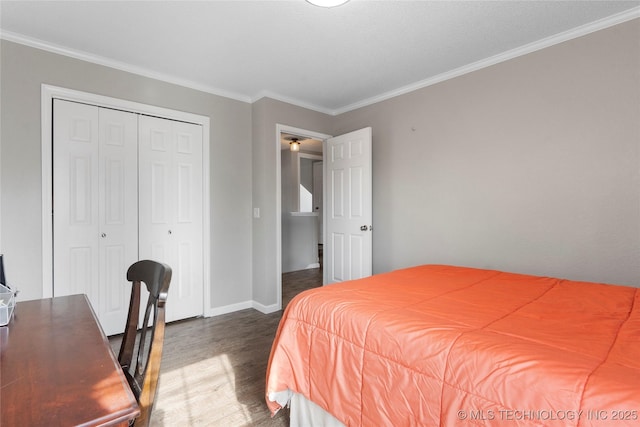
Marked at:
<point>57,369</point>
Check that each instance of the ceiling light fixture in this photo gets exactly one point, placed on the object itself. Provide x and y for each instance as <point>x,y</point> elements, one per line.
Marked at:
<point>294,145</point>
<point>327,3</point>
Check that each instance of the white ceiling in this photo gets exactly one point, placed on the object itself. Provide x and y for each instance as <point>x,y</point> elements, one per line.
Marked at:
<point>330,60</point>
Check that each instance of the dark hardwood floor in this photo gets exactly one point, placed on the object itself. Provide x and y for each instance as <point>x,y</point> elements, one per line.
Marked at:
<point>213,369</point>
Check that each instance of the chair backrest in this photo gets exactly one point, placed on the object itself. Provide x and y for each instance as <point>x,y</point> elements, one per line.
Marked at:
<point>145,342</point>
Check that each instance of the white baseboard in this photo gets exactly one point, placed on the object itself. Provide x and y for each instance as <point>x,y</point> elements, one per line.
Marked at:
<point>264,309</point>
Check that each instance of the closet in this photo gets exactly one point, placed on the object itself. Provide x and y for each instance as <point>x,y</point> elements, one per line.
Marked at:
<point>126,186</point>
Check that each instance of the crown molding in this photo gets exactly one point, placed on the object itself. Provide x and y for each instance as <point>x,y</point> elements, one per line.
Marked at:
<point>583,30</point>
<point>505,56</point>
<point>297,103</point>
<point>122,66</point>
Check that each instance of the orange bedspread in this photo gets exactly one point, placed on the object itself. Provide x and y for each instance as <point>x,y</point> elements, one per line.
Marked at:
<point>444,346</point>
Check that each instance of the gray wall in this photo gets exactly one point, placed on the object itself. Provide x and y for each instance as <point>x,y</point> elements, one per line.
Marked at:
<point>24,69</point>
<point>299,242</point>
<point>531,165</point>
<point>266,114</point>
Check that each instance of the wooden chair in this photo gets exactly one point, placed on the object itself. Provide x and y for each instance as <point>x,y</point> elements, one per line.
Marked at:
<point>145,343</point>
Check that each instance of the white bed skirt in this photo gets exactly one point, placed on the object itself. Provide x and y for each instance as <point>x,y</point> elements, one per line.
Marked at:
<point>303,412</point>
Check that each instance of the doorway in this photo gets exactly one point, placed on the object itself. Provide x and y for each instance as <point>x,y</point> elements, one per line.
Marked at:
<point>301,158</point>
<point>299,221</point>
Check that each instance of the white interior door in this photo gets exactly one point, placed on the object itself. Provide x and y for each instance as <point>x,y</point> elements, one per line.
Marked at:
<point>95,207</point>
<point>171,222</point>
<point>348,201</point>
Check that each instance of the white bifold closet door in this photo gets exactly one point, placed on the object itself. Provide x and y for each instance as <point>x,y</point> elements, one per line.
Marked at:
<point>171,223</point>
<point>95,222</point>
<point>126,187</point>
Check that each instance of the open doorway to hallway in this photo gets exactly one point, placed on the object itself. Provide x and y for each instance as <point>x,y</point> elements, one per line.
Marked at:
<point>301,199</point>
<point>301,202</point>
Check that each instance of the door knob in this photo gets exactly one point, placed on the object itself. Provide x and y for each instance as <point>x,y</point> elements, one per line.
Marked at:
<point>364,228</point>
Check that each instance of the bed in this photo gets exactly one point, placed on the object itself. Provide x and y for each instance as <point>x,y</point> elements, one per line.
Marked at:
<point>437,345</point>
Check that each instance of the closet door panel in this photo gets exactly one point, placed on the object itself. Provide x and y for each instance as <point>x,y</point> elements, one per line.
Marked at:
<point>76,223</point>
<point>189,221</point>
<point>170,177</point>
<point>156,190</point>
<point>118,214</point>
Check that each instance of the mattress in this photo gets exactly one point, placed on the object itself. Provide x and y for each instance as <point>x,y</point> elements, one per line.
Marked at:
<point>443,345</point>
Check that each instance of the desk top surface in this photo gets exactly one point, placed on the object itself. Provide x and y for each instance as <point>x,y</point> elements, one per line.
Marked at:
<point>57,368</point>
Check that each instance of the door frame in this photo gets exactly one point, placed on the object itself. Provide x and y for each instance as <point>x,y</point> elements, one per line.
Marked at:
<point>280,128</point>
<point>48,93</point>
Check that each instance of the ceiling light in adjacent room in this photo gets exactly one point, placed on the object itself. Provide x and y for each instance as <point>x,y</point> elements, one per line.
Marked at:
<point>294,145</point>
<point>327,3</point>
